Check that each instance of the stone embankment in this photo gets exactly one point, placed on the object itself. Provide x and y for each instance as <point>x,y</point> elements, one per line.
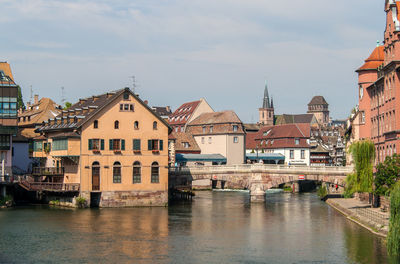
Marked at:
<point>372,219</point>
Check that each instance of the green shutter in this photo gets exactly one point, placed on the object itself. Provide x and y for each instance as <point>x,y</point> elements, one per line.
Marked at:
<point>149,144</point>
<point>102,144</point>
<point>161,145</point>
<point>90,144</point>
<point>111,144</point>
<point>136,144</point>
<point>122,144</point>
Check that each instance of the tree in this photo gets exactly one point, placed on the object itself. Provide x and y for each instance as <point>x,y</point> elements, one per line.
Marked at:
<point>393,239</point>
<point>20,100</point>
<point>363,153</point>
<point>67,105</point>
<point>387,173</point>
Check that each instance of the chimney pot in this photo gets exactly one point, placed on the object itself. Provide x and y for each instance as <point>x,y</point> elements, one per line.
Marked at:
<point>146,102</point>
<point>36,98</point>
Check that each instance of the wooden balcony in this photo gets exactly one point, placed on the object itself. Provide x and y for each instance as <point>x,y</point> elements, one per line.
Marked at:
<point>50,186</point>
<point>48,171</point>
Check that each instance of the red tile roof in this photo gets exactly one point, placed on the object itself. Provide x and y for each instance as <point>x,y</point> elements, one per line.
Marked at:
<point>183,113</point>
<point>374,60</point>
<point>282,136</point>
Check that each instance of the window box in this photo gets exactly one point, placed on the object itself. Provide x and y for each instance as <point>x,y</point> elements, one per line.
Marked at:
<point>137,152</point>
<point>117,151</point>
<point>155,151</point>
<point>97,151</point>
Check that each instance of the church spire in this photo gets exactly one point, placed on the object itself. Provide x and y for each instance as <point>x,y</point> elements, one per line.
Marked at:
<point>272,102</point>
<point>266,103</point>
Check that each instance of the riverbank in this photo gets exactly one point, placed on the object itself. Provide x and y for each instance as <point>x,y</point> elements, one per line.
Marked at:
<point>361,213</point>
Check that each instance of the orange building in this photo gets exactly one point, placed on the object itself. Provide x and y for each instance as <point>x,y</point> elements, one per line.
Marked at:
<point>379,84</point>
<point>112,147</point>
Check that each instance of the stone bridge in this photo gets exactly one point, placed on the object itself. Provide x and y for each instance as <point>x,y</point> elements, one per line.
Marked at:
<point>258,177</point>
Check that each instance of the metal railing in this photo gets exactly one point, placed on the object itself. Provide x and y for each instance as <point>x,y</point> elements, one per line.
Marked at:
<point>47,171</point>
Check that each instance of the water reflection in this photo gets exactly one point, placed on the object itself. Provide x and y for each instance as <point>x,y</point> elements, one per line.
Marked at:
<point>216,228</point>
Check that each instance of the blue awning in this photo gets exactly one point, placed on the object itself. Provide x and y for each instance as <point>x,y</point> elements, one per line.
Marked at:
<point>200,157</point>
<point>265,156</point>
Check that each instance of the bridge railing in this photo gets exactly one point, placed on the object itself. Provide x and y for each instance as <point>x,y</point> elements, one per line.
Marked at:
<point>258,167</point>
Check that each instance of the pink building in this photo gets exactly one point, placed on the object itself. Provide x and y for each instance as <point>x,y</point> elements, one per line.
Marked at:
<point>379,84</point>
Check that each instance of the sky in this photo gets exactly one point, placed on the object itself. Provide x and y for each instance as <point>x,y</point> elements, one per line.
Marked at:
<point>184,50</point>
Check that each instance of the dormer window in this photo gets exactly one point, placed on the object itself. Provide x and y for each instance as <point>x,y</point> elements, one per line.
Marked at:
<point>296,141</point>
<point>235,128</point>
<point>211,129</point>
<point>185,144</point>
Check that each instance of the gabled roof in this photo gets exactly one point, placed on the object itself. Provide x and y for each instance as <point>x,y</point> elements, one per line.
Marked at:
<point>96,104</point>
<point>44,110</point>
<point>374,60</point>
<point>183,113</point>
<point>181,138</point>
<point>216,118</point>
<point>318,100</point>
<point>294,119</point>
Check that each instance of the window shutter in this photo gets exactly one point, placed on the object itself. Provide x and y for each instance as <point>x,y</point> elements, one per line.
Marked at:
<point>90,144</point>
<point>102,144</point>
<point>111,144</point>
<point>161,145</point>
<point>149,145</point>
<point>122,144</point>
<point>136,144</point>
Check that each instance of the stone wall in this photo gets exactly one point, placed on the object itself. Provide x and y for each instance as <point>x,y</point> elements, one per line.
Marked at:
<point>133,198</point>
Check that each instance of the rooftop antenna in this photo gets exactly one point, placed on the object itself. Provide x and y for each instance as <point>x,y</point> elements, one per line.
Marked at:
<point>62,96</point>
<point>134,86</point>
<point>31,100</point>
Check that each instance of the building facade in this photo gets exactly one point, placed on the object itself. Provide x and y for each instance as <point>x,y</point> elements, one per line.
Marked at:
<point>8,115</point>
<point>319,107</point>
<point>112,145</point>
<point>220,133</point>
<point>378,85</point>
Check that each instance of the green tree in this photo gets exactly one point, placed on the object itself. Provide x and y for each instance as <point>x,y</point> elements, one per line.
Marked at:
<point>387,173</point>
<point>393,239</point>
<point>20,100</point>
<point>363,153</point>
<point>67,105</point>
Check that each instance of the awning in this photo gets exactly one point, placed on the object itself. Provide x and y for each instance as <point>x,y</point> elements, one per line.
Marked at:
<point>265,156</point>
<point>200,157</point>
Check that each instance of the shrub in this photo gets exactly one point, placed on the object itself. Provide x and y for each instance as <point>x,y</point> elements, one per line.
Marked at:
<point>322,191</point>
<point>81,201</point>
<point>8,201</point>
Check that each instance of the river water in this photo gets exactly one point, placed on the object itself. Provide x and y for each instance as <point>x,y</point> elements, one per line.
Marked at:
<point>217,227</point>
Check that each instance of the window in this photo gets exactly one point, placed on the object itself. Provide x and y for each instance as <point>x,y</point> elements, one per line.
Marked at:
<point>209,140</point>
<point>235,139</point>
<point>292,154</point>
<point>137,172</point>
<point>95,176</point>
<point>121,107</point>
<point>136,125</point>
<point>126,107</point>
<point>182,128</point>
<point>136,144</point>
<point>154,125</point>
<point>185,144</point>
<point>202,140</point>
<point>235,128</point>
<point>117,172</point>
<point>303,154</point>
<point>37,145</point>
<point>117,144</point>
<point>176,129</point>
<point>204,129</point>
<point>296,141</point>
<point>96,144</point>
<point>116,124</point>
<point>155,173</point>
<point>155,144</point>
<point>96,124</point>
<point>60,144</point>
<point>211,129</point>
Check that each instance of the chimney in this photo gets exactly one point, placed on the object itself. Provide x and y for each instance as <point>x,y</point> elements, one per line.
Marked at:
<point>168,108</point>
<point>36,98</point>
<point>146,102</point>
<point>28,105</point>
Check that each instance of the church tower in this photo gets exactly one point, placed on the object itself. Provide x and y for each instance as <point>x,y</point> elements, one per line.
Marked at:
<point>267,111</point>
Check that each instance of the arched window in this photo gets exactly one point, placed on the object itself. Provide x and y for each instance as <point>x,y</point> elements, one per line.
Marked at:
<point>96,124</point>
<point>136,125</point>
<point>116,124</point>
<point>117,172</point>
<point>95,176</point>
<point>154,125</point>
<point>155,173</point>
<point>137,172</point>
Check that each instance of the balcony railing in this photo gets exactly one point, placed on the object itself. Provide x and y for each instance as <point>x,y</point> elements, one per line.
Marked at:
<point>48,171</point>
